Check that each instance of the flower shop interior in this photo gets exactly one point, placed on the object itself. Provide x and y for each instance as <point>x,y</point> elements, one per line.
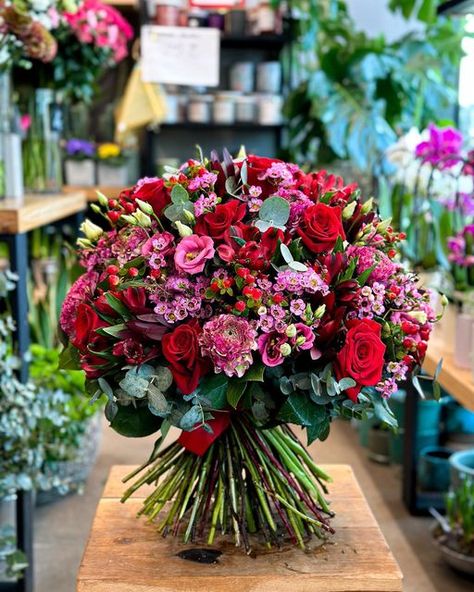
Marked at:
<point>227,229</point>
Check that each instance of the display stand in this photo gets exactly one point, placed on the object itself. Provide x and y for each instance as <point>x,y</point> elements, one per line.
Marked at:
<point>16,220</point>
<point>125,553</point>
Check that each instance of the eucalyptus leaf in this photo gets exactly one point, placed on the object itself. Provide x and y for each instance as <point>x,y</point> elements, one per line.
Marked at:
<point>191,418</point>
<point>275,210</point>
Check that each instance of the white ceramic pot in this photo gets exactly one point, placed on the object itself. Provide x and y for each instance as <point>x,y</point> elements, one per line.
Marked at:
<point>112,176</point>
<point>80,173</point>
<point>463,340</point>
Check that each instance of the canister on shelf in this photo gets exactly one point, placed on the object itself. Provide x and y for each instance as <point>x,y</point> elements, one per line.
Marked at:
<point>246,109</point>
<point>197,18</point>
<point>242,76</point>
<point>223,108</point>
<point>236,23</point>
<point>167,12</point>
<point>269,77</point>
<point>216,20</point>
<point>270,109</point>
<point>199,108</point>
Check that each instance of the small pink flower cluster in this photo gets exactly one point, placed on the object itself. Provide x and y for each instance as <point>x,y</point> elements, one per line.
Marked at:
<point>96,23</point>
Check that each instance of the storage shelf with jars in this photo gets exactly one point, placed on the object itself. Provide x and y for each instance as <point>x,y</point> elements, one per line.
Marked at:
<point>247,106</point>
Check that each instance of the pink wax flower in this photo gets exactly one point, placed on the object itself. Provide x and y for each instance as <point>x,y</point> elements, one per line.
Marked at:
<point>228,341</point>
<point>443,143</point>
<point>192,253</point>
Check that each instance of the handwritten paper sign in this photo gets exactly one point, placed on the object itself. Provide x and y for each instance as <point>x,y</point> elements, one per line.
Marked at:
<point>180,55</point>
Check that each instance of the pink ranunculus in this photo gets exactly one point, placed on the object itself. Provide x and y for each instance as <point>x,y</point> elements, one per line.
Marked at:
<point>192,253</point>
<point>269,346</point>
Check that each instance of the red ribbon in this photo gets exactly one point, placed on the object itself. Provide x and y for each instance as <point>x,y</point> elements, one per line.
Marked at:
<point>199,440</point>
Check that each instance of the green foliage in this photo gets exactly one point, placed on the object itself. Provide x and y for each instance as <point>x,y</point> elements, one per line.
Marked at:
<point>355,92</point>
<point>274,213</point>
<point>13,559</point>
<point>460,514</point>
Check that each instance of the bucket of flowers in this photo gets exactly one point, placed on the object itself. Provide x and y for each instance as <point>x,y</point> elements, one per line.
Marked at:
<point>112,166</point>
<point>230,300</point>
<point>79,163</point>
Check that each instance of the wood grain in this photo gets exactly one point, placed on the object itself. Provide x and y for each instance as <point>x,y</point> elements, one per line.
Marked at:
<point>125,554</point>
<point>458,382</point>
<point>91,192</point>
<point>34,211</point>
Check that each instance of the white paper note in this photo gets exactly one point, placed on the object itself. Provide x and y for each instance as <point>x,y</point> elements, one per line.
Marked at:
<point>180,55</point>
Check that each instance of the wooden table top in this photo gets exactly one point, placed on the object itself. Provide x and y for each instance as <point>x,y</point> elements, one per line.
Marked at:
<point>126,554</point>
<point>91,192</point>
<point>458,382</point>
<point>36,210</point>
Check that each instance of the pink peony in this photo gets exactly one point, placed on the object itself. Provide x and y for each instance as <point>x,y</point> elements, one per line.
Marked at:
<point>229,340</point>
<point>192,253</point>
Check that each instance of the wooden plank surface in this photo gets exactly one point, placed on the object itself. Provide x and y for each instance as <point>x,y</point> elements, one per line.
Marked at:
<point>91,192</point>
<point>126,554</point>
<point>458,382</point>
<point>34,211</point>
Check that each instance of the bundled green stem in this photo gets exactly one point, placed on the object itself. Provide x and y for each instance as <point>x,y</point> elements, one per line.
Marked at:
<point>248,481</point>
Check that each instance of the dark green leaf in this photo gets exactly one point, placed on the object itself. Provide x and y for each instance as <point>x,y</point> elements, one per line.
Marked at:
<point>235,392</point>
<point>135,422</point>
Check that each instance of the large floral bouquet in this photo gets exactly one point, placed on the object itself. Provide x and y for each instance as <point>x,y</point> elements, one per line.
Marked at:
<point>231,299</point>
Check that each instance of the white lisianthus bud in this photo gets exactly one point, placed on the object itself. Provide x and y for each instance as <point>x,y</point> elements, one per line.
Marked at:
<point>144,207</point>
<point>95,208</point>
<point>319,312</point>
<point>382,226</point>
<point>367,206</point>
<point>444,301</point>
<point>183,229</point>
<point>102,199</point>
<point>83,243</point>
<point>189,216</point>
<point>348,211</point>
<point>285,349</point>
<point>300,340</point>
<point>419,316</point>
<point>143,219</point>
<point>291,330</point>
<point>262,310</point>
<point>129,219</point>
<point>91,230</point>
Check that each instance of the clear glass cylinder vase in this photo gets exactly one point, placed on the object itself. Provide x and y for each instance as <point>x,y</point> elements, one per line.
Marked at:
<point>11,166</point>
<point>41,148</point>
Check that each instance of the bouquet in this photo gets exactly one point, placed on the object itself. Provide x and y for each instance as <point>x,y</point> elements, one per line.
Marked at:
<point>230,300</point>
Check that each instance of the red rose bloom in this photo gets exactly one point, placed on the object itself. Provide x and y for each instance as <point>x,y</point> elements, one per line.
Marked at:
<point>87,321</point>
<point>153,192</point>
<point>321,227</point>
<point>362,357</point>
<point>181,349</point>
<point>217,224</point>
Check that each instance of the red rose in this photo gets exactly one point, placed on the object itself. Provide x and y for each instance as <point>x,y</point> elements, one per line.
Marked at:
<point>155,193</point>
<point>87,321</point>
<point>217,224</point>
<point>315,185</point>
<point>321,227</point>
<point>181,349</point>
<point>256,167</point>
<point>362,356</point>
<point>135,300</point>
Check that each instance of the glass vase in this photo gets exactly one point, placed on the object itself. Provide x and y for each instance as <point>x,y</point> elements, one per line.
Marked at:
<point>41,148</point>
<point>11,166</point>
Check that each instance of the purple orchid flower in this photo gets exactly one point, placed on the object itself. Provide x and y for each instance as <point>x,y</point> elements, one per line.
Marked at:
<point>443,142</point>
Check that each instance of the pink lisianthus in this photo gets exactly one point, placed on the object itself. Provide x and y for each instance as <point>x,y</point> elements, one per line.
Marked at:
<point>270,348</point>
<point>228,341</point>
<point>192,253</point>
<point>304,337</point>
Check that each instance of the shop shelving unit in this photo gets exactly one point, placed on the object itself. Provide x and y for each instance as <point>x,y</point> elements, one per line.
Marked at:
<point>266,47</point>
<point>17,218</point>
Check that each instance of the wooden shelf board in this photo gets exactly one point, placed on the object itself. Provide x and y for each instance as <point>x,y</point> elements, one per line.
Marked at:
<point>36,210</point>
<point>458,382</point>
<point>91,192</point>
<point>125,553</point>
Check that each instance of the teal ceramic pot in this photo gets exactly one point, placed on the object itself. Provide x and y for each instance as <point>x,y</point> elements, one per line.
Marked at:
<point>461,466</point>
<point>459,421</point>
<point>434,469</point>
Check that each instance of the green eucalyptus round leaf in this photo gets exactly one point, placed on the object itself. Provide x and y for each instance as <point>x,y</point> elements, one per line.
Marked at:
<point>275,210</point>
<point>135,422</point>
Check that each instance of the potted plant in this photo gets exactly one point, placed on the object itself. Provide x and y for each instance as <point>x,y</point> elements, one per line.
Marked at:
<point>112,167</point>
<point>462,465</point>
<point>454,534</point>
<point>79,164</point>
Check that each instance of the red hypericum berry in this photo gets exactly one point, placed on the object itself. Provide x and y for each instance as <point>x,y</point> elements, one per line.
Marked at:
<point>112,270</point>
<point>257,294</point>
<point>113,216</point>
<point>215,286</point>
<point>422,347</point>
<point>133,272</point>
<point>129,208</point>
<point>408,343</point>
<point>248,291</point>
<point>277,298</point>
<point>392,253</point>
<point>227,283</point>
<point>402,236</point>
<point>249,279</point>
<point>242,272</point>
<point>408,360</point>
<point>240,306</point>
<point>114,280</point>
<point>113,203</point>
<point>395,290</point>
<point>425,334</point>
<point>155,273</point>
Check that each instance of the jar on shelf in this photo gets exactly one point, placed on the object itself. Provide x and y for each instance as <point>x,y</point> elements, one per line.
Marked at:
<point>197,18</point>
<point>172,108</point>
<point>223,108</point>
<point>246,109</point>
<point>236,23</point>
<point>168,12</point>
<point>267,20</point>
<point>11,166</point>
<point>242,77</point>
<point>270,109</point>
<point>199,108</point>
<point>216,20</point>
<point>269,77</point>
